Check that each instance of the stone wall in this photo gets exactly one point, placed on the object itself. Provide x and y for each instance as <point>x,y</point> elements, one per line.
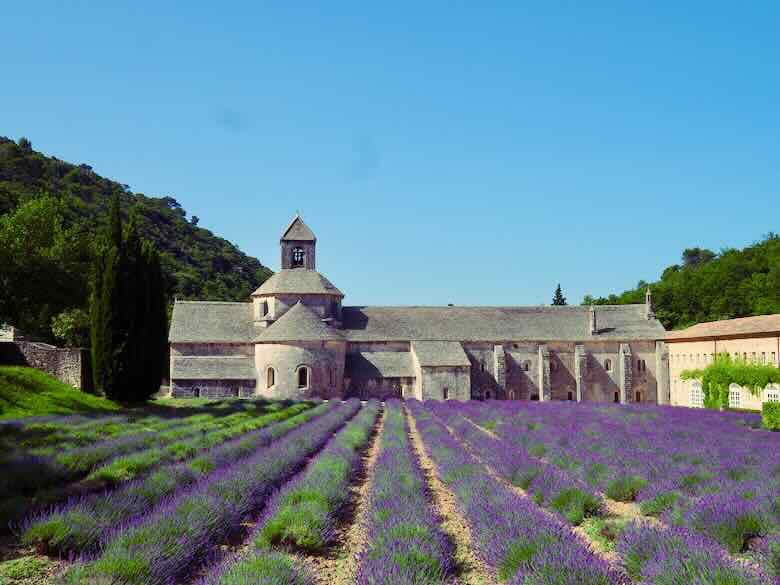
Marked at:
<point>213,388</point>
<point>325,361</point>
<point>69,365</point>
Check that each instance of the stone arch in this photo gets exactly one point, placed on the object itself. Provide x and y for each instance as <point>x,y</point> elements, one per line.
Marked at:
<point>303,376</point>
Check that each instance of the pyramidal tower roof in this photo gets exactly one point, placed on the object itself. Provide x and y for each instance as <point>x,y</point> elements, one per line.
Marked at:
<point>298,231</point>
<point>299,323</point>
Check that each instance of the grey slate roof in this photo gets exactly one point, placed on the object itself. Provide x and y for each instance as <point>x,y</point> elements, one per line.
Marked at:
<point>210,321</point>
<point>298,231</point>
<point>380,364</point>
<point>298,281</point>
<point>299,323</point>
<point>440,353</point>
<point>544,323</point>
<point>210,368</point>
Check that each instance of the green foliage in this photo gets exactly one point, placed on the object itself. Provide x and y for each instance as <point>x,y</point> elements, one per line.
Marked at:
<point>724,371</point>
<point>558,298</point>
<point>30,392</point>
<point>575,505</point>
<point>625,489</point>
<point>71,327</point>
<point>47,241</point>
<point>709,287</point>
<point>659,504</point>
<point>25,570</point>
<point>128,314</point>
<point>770,415</point>
<point>604,531</point>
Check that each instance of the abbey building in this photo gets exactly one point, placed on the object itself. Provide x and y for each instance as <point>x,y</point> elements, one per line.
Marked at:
<point>296,339</point>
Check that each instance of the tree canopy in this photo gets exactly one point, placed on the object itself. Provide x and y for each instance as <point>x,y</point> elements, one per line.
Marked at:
<point>708,286</point>
<point>50,212</point>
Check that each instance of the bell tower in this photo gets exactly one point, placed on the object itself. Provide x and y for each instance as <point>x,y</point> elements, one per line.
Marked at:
<point>298,245</point>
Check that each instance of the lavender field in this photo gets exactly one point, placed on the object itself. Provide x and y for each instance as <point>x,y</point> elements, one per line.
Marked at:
<point>393,493</point>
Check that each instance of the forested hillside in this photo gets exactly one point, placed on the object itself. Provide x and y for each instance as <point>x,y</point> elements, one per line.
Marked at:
<point>50,213</point>
<point>707,286</point>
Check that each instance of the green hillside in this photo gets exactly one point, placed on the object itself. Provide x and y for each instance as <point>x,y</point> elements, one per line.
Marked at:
<point>30,392</point>
<point>46,242</point>
<point>707,286</point>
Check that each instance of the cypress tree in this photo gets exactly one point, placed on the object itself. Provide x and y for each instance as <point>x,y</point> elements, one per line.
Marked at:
<point>129,317</point>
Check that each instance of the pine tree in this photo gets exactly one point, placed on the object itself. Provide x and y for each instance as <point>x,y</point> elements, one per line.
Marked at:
<point>558,298</point>
<point>129,317</point>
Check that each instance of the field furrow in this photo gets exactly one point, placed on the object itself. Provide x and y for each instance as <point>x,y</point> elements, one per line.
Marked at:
<point>179,535</point>
<point>302,518</point>
<point>79,525</point>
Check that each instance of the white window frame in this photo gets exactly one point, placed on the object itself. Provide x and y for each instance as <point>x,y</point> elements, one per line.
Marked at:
<point>696,396</point>
<point>735,396</point>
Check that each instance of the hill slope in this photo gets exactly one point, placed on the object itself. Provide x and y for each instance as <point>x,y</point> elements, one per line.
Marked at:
<point>30,392</point>
<point>200,264</point>
<point>197,264</point>
<point>708,286</point>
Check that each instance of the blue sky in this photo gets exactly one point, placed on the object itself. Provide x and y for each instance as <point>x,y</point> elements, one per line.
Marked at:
<point>473,153</point>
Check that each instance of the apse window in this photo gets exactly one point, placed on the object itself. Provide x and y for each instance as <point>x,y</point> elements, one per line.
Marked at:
<point>608,365</point>
<point>298,256</point>
<point>445,392</point>
<point>303,377</point>
<point>270,378</point>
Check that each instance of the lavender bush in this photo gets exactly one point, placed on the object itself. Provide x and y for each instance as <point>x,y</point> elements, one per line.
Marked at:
<point>157,548</point>
<point>405,544</point>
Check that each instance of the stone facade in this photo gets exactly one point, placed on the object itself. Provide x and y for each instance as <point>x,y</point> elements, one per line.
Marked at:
<point>296,320</point>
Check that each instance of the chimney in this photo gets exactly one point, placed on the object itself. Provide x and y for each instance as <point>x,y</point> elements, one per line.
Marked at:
<point>649,312</point>
<point>592,320</point>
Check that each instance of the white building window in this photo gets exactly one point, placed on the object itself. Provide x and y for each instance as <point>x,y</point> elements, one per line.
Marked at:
<point>773,393</point>
<point>735,396</point>
<point>608,365</point>
<point>697,395</point>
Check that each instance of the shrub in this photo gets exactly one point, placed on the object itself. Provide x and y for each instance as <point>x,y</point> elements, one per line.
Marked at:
<point>659,504</point>
<point>625,488</point>
<point>575,505</point>
<point>770,415</point>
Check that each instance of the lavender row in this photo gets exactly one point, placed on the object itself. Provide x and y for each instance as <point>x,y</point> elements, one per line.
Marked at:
<point>722,486</point>
<point>517,540</point>
<point>160,547</point>
<point>405,543</point>
<point>79,524</point>
<point>549,486</point>
<point>303,514</point>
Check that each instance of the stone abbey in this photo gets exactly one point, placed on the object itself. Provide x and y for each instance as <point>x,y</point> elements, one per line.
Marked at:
<point>295,339</point>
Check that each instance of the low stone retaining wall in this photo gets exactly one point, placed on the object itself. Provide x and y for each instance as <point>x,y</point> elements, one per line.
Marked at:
<point>70,365</point>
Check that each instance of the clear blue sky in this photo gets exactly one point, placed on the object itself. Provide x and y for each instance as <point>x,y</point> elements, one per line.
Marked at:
<point>474,153</point>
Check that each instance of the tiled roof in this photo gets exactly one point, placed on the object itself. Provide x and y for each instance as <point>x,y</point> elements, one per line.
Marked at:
<point>298,231</point>
<point>567,323</point>
<point>379,364</point>
<point>440,353</point>
<point>729,327</point>
<point>210,321</point>
<point>298,281</point>
<point>210,368</point>
<point>299,323</point>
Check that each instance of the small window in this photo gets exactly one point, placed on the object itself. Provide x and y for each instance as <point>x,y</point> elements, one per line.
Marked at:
<point>526,365</point>
<point>445,393</point>
<point>514,345</point>
<point>763,357</point>
<point>482,366</point>
<point>638,397</point>
<point>744,356</point>
<point>570,396</point>
<point>511,395</point>
<point>608,365</point>
<point>332,377</point>
<point>773,395</point>
<point>774,357</point>
<point>534,397</point>
<point>735,396</point>
<point>617,396</point>
<point>697,395</point>
<point>298,256</point>
<point>487,395</point>
<point>303,377</point>
<point>270,378</point>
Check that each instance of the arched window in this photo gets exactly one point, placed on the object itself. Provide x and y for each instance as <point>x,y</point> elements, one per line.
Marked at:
<point>298,256</point>
<point>638,397</point>
<point>264,308</point>
<point>445,393</point>
<point>570,396</point>
<point>303,377</point>
<point>773,393</point>
<point>608,364</point>
<point>270,377</point>
<point>617,397</point>
<point>526,365</point>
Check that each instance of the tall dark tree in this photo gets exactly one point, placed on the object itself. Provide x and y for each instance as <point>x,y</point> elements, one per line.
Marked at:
<point>558,298</point>
<point>128,313</point>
